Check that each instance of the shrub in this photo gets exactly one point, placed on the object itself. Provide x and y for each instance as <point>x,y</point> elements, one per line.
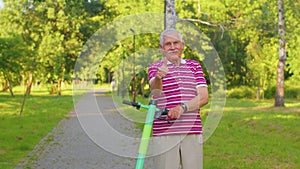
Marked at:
<point>290,92</point>
<point>242,92</point>
<point>270,92</point>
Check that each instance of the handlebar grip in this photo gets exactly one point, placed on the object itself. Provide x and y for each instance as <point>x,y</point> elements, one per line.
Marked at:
<point>130,103</point>
<point>126,102</point>
<point>165,112</point>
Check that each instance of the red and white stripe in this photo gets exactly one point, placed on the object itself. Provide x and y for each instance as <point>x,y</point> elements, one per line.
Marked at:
<point>179,86</point>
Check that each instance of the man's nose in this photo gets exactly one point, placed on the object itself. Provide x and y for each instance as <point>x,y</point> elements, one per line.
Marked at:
<point>172,45</point>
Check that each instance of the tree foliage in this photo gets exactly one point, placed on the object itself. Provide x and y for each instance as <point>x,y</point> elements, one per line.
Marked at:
<point>49,36</point>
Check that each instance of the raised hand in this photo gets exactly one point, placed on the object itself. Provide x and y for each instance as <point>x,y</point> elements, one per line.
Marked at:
<point>163,70</point>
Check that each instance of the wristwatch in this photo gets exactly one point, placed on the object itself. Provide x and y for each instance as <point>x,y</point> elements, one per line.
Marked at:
<point>184,107</point>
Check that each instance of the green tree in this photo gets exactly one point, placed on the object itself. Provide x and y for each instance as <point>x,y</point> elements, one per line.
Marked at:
<point>11,61</point>
<point>60,41</point>
<point>12,24</point>
<point>292,38</point>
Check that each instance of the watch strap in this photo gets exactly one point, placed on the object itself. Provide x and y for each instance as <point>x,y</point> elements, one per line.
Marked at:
<point>184,107</point>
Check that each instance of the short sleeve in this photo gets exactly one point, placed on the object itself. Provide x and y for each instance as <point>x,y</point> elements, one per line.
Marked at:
<point>199,75</point>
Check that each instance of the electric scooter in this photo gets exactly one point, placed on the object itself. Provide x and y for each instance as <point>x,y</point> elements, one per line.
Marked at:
<point>153,112</point>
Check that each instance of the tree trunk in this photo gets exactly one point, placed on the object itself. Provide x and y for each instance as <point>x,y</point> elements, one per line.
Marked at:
<point>8,84</point>
<point>263,89</point>
<point>59,81</point>
<point>27,92</point>
<point>29,84</point>
<point>11,91</point>
<point>142,82</point>
<point>258,90</point>
<point>5,86</point>
<point>108,76</point>
<point>133,90</point>
<point>279,97</point>
<point>170,14</point>
<point>53,88</point>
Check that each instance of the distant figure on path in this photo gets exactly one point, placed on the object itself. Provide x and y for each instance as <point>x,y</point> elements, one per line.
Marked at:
<point>113,85</point>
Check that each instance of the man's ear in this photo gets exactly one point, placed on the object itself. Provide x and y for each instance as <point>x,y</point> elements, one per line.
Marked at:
<point>161,48</point>
<point>182,44</point>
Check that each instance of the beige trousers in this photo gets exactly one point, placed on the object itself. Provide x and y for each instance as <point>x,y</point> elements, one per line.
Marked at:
<point>186,152</point>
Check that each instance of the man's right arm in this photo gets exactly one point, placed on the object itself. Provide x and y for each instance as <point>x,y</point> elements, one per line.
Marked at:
<point>156,84</point>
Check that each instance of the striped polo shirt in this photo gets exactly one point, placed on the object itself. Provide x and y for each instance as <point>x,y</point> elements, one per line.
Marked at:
<point>178,86</point>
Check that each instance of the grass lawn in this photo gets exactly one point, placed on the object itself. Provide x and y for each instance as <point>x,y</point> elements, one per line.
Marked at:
<point>19,134</point>
<point>251,134</point>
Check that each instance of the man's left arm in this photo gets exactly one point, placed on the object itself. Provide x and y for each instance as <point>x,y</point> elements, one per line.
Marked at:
<point>198,101</point>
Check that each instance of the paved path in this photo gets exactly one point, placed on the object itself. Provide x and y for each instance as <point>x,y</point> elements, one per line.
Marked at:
<point>69,147</point>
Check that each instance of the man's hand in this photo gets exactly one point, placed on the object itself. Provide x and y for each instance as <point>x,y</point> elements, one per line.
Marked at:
<point>163,70</point>
<point>156,83</point>
<point>176,112</point>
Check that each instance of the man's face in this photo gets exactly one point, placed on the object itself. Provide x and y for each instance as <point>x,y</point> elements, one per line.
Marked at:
<point>172,47</point>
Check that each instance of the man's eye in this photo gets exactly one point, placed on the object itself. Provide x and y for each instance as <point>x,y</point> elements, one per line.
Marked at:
<point>177,43</point>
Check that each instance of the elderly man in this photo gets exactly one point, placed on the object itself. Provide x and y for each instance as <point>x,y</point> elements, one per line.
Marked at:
<point>179,85</point>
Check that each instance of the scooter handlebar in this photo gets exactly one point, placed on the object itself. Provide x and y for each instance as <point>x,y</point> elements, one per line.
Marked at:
<point>134,104</point>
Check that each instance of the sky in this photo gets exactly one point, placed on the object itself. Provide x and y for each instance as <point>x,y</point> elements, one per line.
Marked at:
<point>1,4</point>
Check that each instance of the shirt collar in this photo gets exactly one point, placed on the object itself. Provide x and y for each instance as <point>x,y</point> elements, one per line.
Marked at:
<point>182,61</point>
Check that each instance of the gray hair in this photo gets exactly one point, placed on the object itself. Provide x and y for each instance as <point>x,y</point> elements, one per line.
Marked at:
<point>167,31</point>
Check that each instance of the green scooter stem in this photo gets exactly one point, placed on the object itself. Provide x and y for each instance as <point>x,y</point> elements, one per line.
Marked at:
<point>145,136</point>
<point>152,109</point>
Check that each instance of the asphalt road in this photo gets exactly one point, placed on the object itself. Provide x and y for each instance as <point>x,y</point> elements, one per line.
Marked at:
<point>77,142</point>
